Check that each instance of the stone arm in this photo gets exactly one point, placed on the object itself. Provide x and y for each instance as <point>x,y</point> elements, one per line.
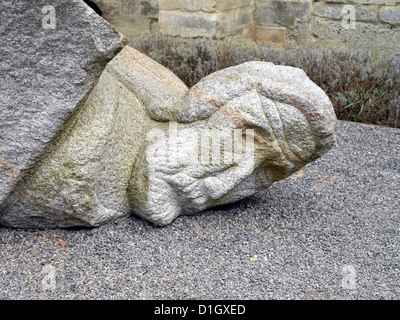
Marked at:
<point>222,183</point>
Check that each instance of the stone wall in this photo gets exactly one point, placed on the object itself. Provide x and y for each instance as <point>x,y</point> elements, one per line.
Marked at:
<point>206,18</point>
<point>376,27</point>
<point>326,23</point>
<point>282,21</point>
<point>131,17</point>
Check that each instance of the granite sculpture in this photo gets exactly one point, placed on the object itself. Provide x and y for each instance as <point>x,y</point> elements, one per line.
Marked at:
<point>123,135</point>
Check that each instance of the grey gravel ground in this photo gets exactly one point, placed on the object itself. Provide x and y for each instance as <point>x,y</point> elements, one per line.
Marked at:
<point>331,231</point>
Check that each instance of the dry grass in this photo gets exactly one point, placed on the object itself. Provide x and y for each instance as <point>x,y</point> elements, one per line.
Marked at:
<point>362,87</point>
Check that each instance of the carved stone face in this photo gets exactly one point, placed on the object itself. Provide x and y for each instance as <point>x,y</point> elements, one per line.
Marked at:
<point>196,168</point>
<point>160,153</point>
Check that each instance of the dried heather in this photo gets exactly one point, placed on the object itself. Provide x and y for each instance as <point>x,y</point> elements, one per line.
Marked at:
<point>363,87</point>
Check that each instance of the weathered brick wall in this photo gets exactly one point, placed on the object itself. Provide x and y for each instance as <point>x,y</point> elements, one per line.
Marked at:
<point>284,22</point>
<point>327,23</point>
<point>131,17</point>
<point>206,18</point>
<point>376,27</point>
